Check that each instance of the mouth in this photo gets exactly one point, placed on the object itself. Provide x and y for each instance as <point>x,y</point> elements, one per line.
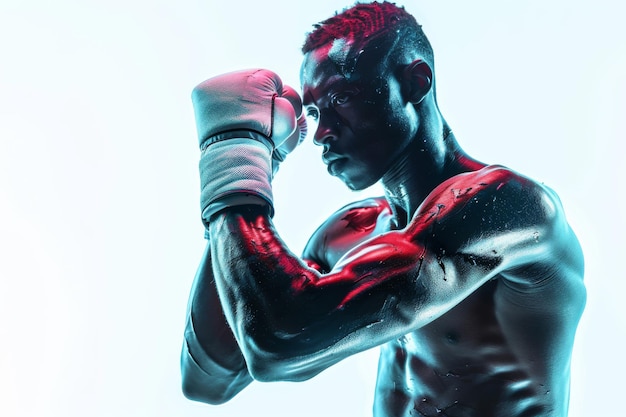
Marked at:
<point>335,167</point>
<point>333,162</point>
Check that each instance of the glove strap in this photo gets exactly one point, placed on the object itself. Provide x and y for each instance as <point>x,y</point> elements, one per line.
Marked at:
<point>234,172</point>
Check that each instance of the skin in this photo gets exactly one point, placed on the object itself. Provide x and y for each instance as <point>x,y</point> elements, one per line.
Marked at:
<point>466,275</point>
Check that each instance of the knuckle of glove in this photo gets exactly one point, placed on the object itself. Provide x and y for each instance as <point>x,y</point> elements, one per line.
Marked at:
<point>294,98</point>
<point>295,139</point>
<point>284,123</point>
<point>240,100</point>
<point>290,127</point>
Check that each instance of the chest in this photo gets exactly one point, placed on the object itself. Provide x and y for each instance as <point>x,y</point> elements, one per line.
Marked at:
<point>468,331</point>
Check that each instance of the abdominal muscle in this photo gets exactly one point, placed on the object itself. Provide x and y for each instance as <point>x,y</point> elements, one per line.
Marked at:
<point>461,366</point>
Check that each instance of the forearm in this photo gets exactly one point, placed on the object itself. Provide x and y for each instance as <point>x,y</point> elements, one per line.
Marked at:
<point>212,366</point>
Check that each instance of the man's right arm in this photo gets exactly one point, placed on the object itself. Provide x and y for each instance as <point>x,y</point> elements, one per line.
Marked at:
<point>212,366</point>
<point>247,122</point>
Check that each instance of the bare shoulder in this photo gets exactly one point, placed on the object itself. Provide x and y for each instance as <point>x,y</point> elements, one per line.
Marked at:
<point>509,199</point>
<point>517,216</point>
<point>505,217</point>
<point>493,180</point>
<point>349,226</point>
<point>542,287</point>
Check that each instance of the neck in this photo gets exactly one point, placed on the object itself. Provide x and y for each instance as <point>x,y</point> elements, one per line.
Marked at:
<point>429,160</point>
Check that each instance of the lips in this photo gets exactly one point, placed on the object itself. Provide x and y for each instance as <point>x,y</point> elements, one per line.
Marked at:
<point>333,162</point>
<point>330,157</point>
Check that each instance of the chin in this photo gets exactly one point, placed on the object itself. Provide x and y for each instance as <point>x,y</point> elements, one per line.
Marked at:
<point>357,185</point>
<point>352,187</point>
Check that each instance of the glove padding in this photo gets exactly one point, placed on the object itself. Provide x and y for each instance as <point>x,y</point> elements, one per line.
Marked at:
<point>296,138</point>
<point>247,122</point>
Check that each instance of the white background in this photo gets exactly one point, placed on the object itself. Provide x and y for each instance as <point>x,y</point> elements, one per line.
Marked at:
<point>99,222</point>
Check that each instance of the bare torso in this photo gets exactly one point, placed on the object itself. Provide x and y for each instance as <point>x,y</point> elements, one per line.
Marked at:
<point>465,364</point>
<point>478,359</point>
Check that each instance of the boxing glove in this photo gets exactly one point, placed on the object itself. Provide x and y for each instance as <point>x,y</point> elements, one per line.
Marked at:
<point>247,122</point>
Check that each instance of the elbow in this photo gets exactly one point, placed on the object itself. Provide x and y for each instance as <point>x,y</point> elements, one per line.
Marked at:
<point>279,348</point>
<point>194,392</point>
<point>276,359</point>
<point>277,370</point>
<point>263,369</point>
<point>210,387</point>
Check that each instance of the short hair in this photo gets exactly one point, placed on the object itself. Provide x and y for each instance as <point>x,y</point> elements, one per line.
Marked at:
<point>365,22</point>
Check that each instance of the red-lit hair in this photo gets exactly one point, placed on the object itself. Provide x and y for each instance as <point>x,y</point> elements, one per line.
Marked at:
<point>364,22</point>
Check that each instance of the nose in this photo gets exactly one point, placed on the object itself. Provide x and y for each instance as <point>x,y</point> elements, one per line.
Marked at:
<point>327,128</point>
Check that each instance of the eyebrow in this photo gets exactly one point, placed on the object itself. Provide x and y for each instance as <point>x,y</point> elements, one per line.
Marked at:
<point>328,84</point>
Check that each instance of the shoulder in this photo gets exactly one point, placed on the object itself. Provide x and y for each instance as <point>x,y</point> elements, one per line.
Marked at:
<point>517,202</point>
<point>498,210</point>
<point>346,228</point>
<point>524,200</point>
<point>496,190</point>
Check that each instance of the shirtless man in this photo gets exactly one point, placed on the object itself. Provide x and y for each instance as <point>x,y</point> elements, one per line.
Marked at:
<point>466,275</point>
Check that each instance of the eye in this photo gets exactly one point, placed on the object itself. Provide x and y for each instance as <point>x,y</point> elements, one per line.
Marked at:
<point>313,113</point>
<point>338,99</point>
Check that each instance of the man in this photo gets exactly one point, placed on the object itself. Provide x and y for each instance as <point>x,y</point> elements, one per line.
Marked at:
<point>466,275</point>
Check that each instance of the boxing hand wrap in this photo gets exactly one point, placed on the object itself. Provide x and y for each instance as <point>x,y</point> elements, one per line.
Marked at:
<point>233,172</point>
<point>241,117</point>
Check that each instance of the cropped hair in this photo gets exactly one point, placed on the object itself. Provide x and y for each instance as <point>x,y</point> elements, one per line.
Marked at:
<point>365,22</point>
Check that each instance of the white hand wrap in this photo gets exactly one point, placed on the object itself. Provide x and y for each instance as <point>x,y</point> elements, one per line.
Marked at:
<point>233,172</point>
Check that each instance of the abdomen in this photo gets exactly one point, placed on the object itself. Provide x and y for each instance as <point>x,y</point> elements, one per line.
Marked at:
<point>462,365</point>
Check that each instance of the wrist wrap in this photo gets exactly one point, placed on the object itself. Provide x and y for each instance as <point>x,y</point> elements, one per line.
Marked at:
<point>235,171</point>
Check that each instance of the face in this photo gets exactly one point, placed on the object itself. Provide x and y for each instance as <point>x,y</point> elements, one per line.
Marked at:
<point>363,122</point>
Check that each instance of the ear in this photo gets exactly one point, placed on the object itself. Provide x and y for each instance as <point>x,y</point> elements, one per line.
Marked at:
<point>417,80</point>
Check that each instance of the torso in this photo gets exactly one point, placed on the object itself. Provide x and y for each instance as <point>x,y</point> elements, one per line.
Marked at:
<point>473,360</point>
<point>463,364</point>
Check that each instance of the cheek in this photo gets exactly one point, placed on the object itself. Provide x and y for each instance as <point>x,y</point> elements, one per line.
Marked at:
<point>365,118</point>
<point>403,120</point>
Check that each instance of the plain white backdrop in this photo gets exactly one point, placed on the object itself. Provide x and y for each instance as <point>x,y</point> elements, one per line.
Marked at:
<point>100,232</point>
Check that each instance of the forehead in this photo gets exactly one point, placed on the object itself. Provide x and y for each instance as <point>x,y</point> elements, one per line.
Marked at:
<point>319,70</point>
<point>327,59</point>
<point>338,62</point>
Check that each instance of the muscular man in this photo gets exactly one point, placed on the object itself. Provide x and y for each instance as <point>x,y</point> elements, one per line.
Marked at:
<point>466,275</point>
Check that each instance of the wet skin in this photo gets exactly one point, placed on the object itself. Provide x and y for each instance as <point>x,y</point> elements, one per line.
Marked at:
<point>467,276</point>
<point>496,353</point>
<point>363,110</point>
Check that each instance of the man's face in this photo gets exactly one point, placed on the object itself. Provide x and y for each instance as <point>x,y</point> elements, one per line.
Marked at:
<point>363,122</point>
